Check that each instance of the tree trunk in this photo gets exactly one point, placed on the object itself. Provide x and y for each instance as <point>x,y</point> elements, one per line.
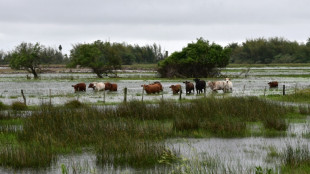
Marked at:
<point>99,74</point>
<point>33,71</point>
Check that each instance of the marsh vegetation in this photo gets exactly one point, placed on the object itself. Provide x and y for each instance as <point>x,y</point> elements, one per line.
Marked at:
<point>247,131</point>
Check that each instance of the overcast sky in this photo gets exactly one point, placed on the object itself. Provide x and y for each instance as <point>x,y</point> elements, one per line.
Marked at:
<point>170,23</point>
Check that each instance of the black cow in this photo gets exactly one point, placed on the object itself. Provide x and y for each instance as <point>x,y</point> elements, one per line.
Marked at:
<point>200,85</point>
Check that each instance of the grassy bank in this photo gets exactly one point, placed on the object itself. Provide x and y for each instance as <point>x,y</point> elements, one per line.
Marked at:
<point>300,96</point>
<point>133,133</point>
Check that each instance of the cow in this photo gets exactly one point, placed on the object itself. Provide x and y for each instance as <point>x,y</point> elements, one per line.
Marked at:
<point>200,85</point>
<point>189,87</point>
<point>79,87</point>
<point>273,84</point>
<point>99,86</point>
<point>221,85</point>
<point>175,88</point>
<point>151,89</point>
<point>229,85</point>
<point>91,85</point>
<point>158,83</point>
<point>110,86</point>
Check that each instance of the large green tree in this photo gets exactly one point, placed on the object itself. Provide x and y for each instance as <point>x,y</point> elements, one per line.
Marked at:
<point>26,56</point>
<point>101,57</point>
<point>199,59</point>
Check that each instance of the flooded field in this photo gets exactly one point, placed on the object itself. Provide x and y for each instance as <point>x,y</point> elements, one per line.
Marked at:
<point>232,155</point>
<point>57,87</point>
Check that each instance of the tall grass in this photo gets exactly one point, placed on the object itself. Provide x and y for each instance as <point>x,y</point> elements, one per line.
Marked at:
<point>132,133</point>
<point>296,160</point>
<point>227,117</point>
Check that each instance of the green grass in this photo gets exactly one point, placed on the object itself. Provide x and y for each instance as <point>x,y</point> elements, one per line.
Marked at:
<point>271,65</point>
<point>132,133</point>
<point>300,96</point>
<point>296,160</point>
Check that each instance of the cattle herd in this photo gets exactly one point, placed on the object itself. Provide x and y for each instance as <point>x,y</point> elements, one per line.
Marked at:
<point>156,87</point>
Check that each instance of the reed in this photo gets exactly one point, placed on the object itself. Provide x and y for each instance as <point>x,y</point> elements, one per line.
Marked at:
<point>26,155</point>
<point>227,117</point>
<point>132,133</point>
<point>296,160</point>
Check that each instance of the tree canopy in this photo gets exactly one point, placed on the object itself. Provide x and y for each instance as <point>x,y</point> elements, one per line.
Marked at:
<point>272,50</point>
<point>27,56</point>
<point>200,59</point>
<point>30,56</point>
<point>100,56</point>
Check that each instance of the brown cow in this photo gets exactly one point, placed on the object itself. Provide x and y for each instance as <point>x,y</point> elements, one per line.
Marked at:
<point>175,88</point>
<point>79,87</point>
<point>151,89</point>
<point>189,87</point>
<point>110,86</point>
<point>158,83</point>
<point>273,84</point>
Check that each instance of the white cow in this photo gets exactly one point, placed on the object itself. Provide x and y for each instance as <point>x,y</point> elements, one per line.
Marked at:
<point>229,85</point>
<point>226,85</point>
<point>99,86</point>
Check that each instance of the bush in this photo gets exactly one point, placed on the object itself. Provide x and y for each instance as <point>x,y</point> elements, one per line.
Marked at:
<point>18,106</point>
<point>74,104</point>
<point>3,106</point>
<point>199,59</point>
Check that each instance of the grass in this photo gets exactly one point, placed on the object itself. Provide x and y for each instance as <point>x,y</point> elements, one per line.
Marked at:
<point>271,65</point>
<point>132,133</point>
<point>296,160</point>
<point>300,96</point>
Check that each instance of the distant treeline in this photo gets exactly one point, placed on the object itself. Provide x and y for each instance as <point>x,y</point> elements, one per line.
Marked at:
<point>272,50</point>
<point>129,54</point>
<point>252,51</point>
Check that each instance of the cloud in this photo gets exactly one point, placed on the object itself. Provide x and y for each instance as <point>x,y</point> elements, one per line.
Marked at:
<point>171,23</point>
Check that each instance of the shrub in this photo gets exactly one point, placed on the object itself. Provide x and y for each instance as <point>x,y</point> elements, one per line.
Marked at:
<point>18,106</point>
<point>74,104</point>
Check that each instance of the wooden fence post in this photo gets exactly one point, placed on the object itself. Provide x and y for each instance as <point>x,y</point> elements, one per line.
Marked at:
<point>125,94</point>
<point>142,92</point>
<point>283,89</point>
<point>265,91</point>
<point>50,95</point>
<point>103,96</point>
<point>243,89</point>
<point>180,96</point>
<point>23,96</point>
<point>204,92</point>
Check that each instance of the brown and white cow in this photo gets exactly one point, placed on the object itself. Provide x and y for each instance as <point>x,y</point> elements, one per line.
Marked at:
<point>151,89</point>
<point>175,88</point>
<point>79,87</point>
<point>91,85</point>
<point>273,84</point>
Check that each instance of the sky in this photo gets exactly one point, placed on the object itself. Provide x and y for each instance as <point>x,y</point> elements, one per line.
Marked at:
<point>170,23</point>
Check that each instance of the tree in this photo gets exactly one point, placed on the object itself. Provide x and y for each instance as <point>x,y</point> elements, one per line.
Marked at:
<point>196,60</point>
<point>100,56</point>
<point>27,56</point>
<point>51,56</point>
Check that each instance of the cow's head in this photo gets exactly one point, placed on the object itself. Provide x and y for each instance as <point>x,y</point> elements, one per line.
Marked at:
<point>196,80</point>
